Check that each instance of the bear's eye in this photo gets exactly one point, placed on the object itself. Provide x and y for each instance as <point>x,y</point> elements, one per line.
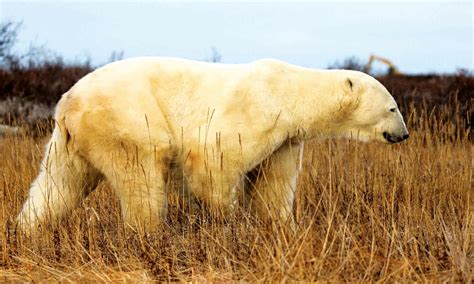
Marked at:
<point>393,109</point>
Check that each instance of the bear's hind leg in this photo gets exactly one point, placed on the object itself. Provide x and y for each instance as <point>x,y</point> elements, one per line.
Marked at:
<point>64,180</point>
<point>272,184</point>
<point>138,180</point>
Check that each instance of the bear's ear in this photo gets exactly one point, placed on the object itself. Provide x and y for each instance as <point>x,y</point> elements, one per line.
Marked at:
<point>349,85</point>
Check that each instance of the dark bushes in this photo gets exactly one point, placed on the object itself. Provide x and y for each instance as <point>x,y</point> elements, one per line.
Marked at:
<point>43,83</point>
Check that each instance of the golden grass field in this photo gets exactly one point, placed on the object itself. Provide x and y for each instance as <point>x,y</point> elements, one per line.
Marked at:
<point>364,212</point>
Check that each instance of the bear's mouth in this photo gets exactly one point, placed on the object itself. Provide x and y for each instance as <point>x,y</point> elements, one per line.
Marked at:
<point>391,139</point>
<point>388,137</point>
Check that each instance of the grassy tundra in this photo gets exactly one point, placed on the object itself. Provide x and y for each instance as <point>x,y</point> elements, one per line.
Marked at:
<point>364,211</point>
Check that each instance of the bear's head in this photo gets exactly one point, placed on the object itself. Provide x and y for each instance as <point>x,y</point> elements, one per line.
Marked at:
<point>371,112</point>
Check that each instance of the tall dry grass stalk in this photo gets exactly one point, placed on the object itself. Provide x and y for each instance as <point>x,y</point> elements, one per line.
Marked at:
<point>364,212</point>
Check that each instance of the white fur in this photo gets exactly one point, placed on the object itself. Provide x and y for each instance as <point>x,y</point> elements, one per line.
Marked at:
<point>140,121</point>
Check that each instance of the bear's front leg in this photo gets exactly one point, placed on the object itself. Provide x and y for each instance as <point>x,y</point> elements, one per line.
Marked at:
<point>272,185</point>
<point>214,183</point>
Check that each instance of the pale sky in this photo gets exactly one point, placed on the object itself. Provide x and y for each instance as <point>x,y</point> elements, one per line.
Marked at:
<point>419,37</point>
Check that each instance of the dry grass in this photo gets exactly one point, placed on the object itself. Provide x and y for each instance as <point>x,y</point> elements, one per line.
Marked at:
<point>365,212</point>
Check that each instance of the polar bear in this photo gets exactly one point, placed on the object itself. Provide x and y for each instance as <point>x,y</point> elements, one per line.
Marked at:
<point>139,122</point>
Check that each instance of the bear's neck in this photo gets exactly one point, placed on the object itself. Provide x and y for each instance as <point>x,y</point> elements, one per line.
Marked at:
<point>312,102</point>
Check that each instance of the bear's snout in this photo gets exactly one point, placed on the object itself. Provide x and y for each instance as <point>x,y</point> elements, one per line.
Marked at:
<point>391,138</point>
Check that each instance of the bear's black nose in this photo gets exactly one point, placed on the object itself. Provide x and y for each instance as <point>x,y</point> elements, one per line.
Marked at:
<point>405,136</point>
